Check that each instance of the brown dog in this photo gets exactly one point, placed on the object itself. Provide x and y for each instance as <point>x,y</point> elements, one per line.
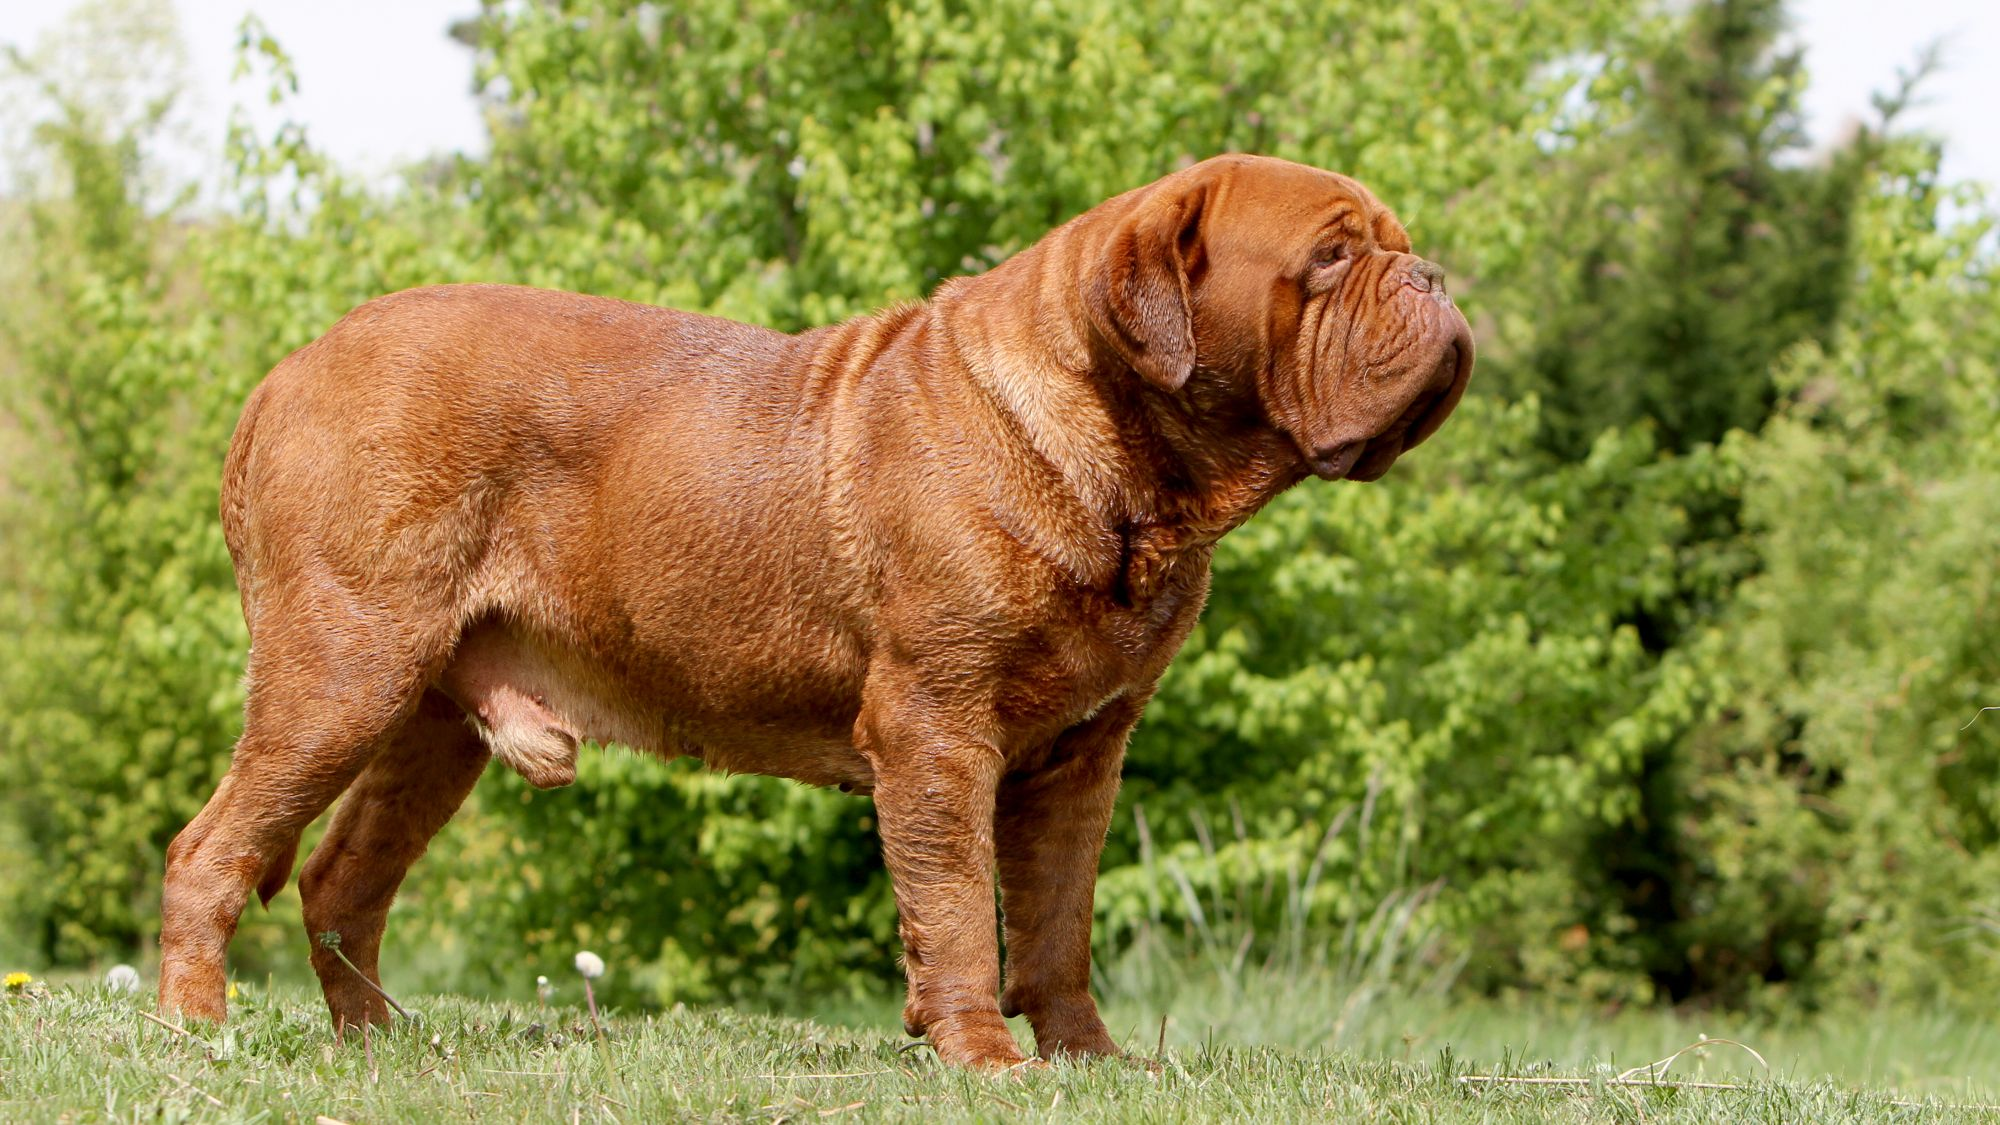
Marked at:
<point>942,553</point>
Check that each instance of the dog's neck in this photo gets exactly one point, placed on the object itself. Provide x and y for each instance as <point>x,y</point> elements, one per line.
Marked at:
<point>1213,468</point>
<point>1149,479</point>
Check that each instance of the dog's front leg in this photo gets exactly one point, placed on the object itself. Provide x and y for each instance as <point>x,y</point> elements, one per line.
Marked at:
<point>934,791</point>
<point>1052,823</point>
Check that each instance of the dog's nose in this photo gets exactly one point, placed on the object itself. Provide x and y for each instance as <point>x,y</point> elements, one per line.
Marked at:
<point>1332,462</point>
<point>1426,276</point>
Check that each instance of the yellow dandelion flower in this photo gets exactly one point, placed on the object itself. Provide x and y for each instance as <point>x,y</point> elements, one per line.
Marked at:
<point>234,992</point>
<point>15,982</point>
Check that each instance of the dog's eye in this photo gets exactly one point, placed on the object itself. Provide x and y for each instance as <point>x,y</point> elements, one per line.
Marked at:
<point>1328,255</point>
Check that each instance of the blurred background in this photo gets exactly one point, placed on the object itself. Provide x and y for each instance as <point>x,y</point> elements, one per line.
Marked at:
<point>1647,697</point>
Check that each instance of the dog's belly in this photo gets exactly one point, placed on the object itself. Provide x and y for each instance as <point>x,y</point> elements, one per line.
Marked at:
<point>533,703</point>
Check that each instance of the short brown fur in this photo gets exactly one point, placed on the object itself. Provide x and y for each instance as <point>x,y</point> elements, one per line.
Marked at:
<point>941,554</point>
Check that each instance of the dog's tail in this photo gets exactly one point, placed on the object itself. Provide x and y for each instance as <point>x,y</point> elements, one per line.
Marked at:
<point>235,506</point>
<point>235,474</point>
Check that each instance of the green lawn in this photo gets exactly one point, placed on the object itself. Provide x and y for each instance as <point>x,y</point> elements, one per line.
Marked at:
<point>83,1054</point>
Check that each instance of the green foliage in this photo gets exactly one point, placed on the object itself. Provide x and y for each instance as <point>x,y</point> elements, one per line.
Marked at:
<point>1694,243</point>
<point>1644,680</point>
<point>703,885</point>
<point>1845,809</point>
<point>119,686</point>
<point>827,160</point>
<point>1451,651</point>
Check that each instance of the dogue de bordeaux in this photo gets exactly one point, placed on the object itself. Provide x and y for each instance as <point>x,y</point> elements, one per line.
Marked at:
<point>940,554</point>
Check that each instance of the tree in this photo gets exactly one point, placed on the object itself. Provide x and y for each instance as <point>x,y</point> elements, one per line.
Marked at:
<point>119,684</point>
<point>1697,243</point>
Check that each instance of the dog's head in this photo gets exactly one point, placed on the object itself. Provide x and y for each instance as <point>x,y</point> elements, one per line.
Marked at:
<point>1292,284</point>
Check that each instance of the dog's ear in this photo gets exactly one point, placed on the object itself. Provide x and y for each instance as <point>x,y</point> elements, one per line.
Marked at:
<point>1137,293</point>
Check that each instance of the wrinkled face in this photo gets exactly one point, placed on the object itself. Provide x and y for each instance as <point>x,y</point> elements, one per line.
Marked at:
<point>1297,284</point>
<point>1365,355</point>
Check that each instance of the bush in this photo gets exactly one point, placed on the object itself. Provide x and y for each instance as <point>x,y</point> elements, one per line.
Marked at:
<point>1841,826</point>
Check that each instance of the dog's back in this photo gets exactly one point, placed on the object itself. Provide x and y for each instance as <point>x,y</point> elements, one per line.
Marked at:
<point>453,435</point>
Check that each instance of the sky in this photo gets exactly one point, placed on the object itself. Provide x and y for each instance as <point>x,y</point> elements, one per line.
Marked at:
<point>380,83</point>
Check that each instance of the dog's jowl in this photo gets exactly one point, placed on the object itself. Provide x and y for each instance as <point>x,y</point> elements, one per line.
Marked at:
<point>940,555</point>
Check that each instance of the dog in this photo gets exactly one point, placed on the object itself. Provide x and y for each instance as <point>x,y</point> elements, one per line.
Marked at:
<point>941,554</point>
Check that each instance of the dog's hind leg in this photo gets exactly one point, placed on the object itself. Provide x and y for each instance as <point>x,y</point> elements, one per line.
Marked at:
<point>384,822</point>
<point>324,694</point>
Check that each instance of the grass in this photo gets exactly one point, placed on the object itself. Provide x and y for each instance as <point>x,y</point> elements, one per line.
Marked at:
<point>87,1054</point>
<point>1312,1018</point>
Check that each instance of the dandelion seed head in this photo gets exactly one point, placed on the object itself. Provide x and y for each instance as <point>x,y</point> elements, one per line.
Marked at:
<point>122,978</point>
<point>589,964</point>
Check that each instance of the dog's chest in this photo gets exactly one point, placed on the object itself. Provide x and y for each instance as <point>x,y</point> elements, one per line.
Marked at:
<point>1101,647</point>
